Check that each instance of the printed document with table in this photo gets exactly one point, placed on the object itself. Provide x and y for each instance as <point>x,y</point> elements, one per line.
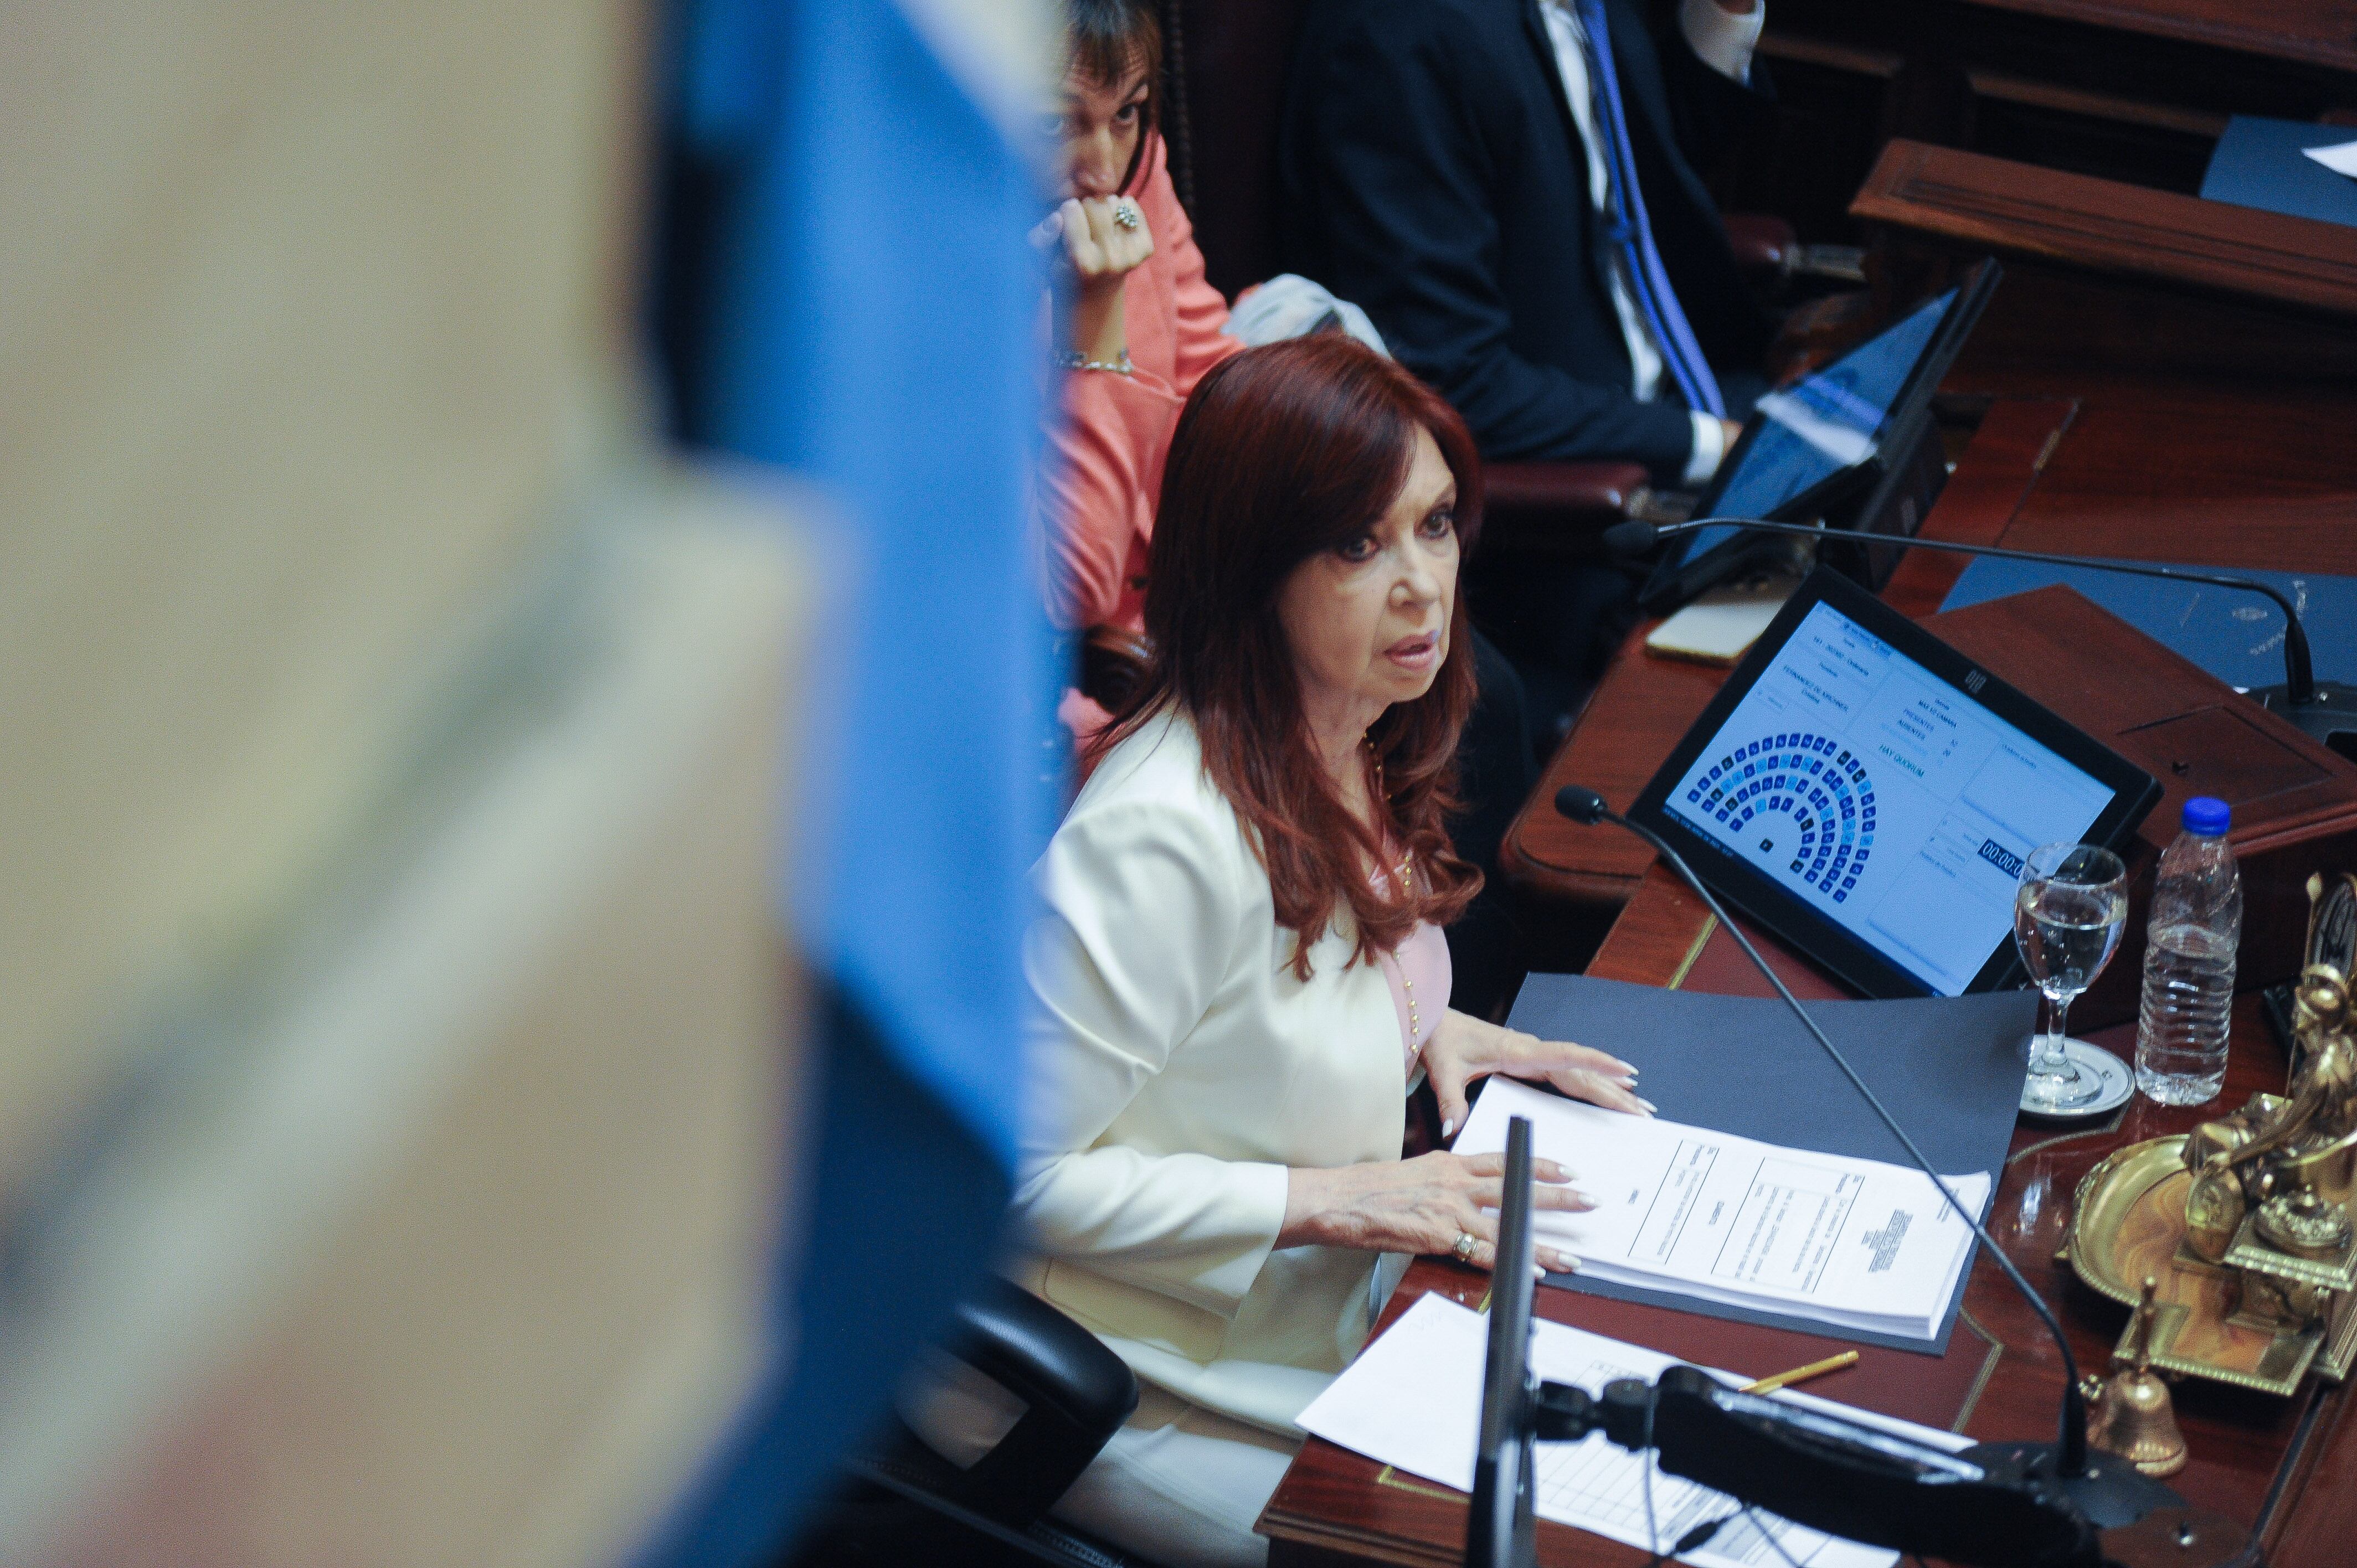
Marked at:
<point>1853,1244</point>
<point>1412,1401</point>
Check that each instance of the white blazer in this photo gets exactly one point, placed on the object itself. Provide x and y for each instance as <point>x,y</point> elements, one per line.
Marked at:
<point>1181,1068</point>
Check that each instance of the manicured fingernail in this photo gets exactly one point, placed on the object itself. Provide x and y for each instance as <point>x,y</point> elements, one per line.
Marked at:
<point>1448,1125</point>
<point>1647,1103</point>
<point>1564,1263</point>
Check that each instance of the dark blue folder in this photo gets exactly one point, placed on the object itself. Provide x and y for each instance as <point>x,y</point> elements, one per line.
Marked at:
<point>2258,164</point>
<point>1948,1068</point>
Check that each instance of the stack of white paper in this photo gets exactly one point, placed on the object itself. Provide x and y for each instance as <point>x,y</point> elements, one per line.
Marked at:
<point>1412,1401</point>
<point>1853,1244</point>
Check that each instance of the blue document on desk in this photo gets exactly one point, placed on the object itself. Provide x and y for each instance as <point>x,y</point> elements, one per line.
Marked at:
<point>2263,163</point>
<point>1949,1068</point>
<point>2237,637</point>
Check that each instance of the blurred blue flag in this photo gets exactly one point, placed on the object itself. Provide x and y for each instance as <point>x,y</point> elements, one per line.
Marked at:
<point>844,291</point>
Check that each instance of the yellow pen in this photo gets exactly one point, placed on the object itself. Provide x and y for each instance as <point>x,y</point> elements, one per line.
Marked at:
<point>1802,1374</point>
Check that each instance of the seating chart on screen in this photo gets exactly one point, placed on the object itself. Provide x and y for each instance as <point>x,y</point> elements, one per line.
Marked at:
<point>1823,790</point>
<point>1884,797</point>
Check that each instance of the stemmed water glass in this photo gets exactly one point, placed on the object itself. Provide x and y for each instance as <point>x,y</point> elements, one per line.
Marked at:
<point>2068,913</point>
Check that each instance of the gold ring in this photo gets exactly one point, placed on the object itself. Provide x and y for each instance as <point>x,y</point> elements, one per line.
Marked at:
<point>1466,1242</point>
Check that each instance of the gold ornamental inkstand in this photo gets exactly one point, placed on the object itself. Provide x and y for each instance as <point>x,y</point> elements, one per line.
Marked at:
<point>2241,1231</point>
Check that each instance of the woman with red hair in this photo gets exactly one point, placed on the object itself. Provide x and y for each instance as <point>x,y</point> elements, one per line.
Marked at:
<point>1238,972</point>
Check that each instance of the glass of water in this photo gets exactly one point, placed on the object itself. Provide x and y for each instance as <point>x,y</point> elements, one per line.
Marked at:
<point>2068,913</point>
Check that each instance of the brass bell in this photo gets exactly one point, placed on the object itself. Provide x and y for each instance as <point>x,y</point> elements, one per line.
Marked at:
<point>2130,1412</point>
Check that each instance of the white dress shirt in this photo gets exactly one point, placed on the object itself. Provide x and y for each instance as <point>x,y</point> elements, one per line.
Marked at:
<point>1724,43</point>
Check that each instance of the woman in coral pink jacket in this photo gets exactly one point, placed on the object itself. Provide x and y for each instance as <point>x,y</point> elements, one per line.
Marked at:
<point>1142,330</point>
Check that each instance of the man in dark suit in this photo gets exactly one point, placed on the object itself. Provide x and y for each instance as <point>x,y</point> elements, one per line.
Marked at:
<point>1508,188</point>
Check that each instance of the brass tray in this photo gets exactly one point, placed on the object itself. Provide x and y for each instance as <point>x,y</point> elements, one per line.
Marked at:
<point>2126,1225</point>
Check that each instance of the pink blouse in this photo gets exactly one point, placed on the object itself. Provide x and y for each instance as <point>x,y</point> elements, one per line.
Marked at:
<point>1104,468</point>
<point>1419,976</point>
<point>1418,973</point>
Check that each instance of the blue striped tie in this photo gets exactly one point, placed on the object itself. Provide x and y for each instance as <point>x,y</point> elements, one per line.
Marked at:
<point>1656,300</point>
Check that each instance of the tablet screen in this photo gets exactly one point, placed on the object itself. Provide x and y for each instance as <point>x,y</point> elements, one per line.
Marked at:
<point>1807,433</point>
<point>1884,798</point>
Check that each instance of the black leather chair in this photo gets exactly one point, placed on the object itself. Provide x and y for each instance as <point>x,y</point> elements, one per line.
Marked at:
<point>903,1503</point>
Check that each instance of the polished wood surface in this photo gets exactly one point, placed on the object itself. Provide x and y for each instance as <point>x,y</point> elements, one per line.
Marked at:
<point>1982,203</point>
<point>2278,1466</point>
<point>1637,714</point>
<point>2295,801</point>
<point>2317,32</point>
<point>2160,379</point>
<point>2158,469</point>
<point>2093,439</point>
<point>2133,90</point>
<point>2253,1459</point>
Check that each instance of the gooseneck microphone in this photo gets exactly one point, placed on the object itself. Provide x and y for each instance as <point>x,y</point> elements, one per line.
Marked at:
<point>2323,712</point>
<point>2110,1495</point>
<point>1500,1529</point>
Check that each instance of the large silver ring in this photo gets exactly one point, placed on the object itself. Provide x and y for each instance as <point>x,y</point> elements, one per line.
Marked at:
<point>1466,1242</point>
<point>1124,213</point>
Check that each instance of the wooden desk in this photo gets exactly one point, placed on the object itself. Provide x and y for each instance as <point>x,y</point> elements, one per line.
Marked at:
<point>2105,280</point>
<point>2135,91</point>
<point>2299,266</point>
<point>2302,32</point>
<point>2159,469</point>
<point>2279,1466</point>
<point>2150,463</point>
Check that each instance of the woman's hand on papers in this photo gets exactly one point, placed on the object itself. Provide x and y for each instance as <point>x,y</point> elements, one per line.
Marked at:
<point>1420,1205</point>
<point>1464,1048</point>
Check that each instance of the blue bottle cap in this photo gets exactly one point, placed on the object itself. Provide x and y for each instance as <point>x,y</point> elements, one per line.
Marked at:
<point>2208,816</point>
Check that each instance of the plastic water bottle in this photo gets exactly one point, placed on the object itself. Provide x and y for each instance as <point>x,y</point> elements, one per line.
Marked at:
<point>2189,961</point>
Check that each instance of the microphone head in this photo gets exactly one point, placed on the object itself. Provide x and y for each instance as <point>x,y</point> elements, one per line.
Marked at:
<point>1633,537</point>
<point>1582,804</point>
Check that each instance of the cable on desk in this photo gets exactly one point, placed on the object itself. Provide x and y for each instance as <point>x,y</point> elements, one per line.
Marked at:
<point>1693,1539</point>
<point>1752,1514</point>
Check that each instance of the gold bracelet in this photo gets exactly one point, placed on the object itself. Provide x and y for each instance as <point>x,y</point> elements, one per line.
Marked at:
<point>1073,359</point>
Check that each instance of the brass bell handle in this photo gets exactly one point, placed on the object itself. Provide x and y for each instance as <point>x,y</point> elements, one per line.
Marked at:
<point>2147,1313</point>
